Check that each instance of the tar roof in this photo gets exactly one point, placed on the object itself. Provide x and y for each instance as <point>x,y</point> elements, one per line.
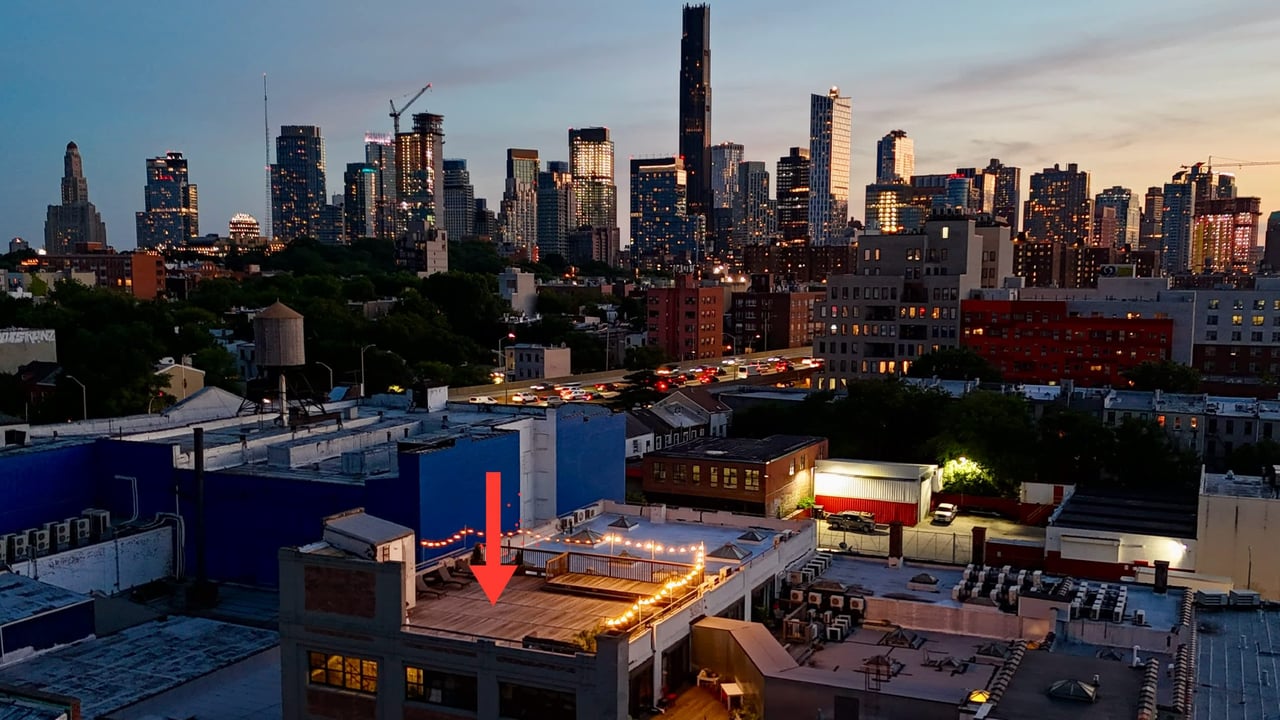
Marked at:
<point>1149,515</point>
<point>14,708</point>
<point>1027,695</point>
<point>1234,684</point>
<point>118,670</point>
<point>21,597</point>
<point>741,449</point>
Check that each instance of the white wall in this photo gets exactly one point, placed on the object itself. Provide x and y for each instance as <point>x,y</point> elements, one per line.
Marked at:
<point>1042,493</point>
<point>108,567</point>
<point>1093,545</point>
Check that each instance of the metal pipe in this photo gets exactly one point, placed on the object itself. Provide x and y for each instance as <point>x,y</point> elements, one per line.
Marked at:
<point>198,443</point>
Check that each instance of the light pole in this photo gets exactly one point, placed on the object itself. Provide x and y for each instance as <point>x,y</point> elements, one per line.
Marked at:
<point>362,351</point>
<point>736,343</point>
<point>326,367</point>
<point>502,358</point>
<point>84,396</point>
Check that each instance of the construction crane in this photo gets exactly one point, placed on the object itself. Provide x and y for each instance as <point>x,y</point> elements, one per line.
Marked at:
<point>1234,164</point>
<point>395,114</point>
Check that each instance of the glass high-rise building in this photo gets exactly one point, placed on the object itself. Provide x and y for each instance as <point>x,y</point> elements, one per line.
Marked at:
<point>459,200</point>
<point>420,173</point>
<point>360,201</point>
<point>1008,194</point>
<point>172,214</point>
<point>695,106</point>
<point>520,201</point>
<point>1151,231</point>
<point>895,158</point>
<point>1224,235</point>
<point>297,183</point>
<point>725,159</point>
<point>830,126</point>
<point>1059,207</point>
<point>555,209</point>
<point>890,211</point>
<point>753,217</point>
<point>76,220</point>
<point>595,196</point>
<point>380,152</point>
<point>663,233</point>
<point>793,195</point>
<point>1128,218</point>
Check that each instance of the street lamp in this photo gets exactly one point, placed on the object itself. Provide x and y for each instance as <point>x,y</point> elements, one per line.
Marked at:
<point>736,342</point>
<point>362,351</point>
<point>502,358</point>
<point>326,367</point>
<point>84,396</point>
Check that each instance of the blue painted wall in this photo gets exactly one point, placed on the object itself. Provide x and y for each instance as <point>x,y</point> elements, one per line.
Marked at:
<point>150,463</point>
<point>39,487</point>
<point>590,457</point>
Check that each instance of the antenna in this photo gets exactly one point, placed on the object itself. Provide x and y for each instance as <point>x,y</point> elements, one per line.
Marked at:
<point>266,142</point>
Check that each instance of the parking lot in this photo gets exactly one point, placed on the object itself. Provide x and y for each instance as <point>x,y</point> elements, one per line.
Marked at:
<point>950,544</point>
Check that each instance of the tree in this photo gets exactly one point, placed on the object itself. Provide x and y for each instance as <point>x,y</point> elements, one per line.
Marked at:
<point>1250,458</point>
<point>1144,458</point>
<point>994,430</point>
<point>1074,447</point>
<point>1166,375</point>
<point>645,357</point>
<point>473,256</point>
<point>959,363</point>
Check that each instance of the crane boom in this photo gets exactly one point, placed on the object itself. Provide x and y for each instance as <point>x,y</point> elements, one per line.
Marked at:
<point>395,114</point>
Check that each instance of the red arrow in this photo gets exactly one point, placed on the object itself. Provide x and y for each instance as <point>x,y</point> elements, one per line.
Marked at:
<point>492,575</point>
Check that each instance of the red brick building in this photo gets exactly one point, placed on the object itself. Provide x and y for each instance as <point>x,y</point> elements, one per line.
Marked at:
<point>764,476</point>
<point>800,263</point>
<point>1038,341</point>
<point>768,318</point>
<point>687,320</point>
<point>141,273</point>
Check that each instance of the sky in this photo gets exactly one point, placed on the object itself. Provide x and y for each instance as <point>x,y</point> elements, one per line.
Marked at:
<point>1128,90</point>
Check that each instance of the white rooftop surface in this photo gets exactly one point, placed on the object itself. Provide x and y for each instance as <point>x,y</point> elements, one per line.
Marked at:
<point>116,671</point>
<point>845,663</point>
<point>21,598</point>
<point>881,580</point>
<point>247,690</point>
<point>1242,486</point>
<point>672,534</point>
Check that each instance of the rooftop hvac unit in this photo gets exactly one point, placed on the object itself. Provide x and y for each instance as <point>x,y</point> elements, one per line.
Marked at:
<point>835,633</point>
<point>59,535</point>
<point>837,602</point>
<point>80,531</point>
<point>4,550</point>
<point>99,523</point>
<point>808,575</point>
<point>1117,613</point>
<point>797,596</point>
<point>1139,617</point>
<point>857,603</point>
<point>19,547</point>
<point>795,577</point>
<point>815,598</point>
<point>39,541</point>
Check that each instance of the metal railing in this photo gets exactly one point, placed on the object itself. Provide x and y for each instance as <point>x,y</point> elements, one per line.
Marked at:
<point>947,548</point>
<point>650,571</point>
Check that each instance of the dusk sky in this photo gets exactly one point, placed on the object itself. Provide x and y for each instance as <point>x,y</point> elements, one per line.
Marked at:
<point>1129,90</point>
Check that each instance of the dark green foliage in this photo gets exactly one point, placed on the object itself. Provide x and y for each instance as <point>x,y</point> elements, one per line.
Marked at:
<point>1166,375</point>
<point>957,363</point>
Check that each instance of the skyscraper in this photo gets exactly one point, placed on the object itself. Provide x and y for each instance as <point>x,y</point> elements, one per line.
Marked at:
<point>420,173</point>
<point>244,231</point>
<point>1271,253</point>
<point>695,106</point>
<point>1060,208</point>
<point>1128,218</point>
<point>1150,235</point>
<point>1224,234</point>
<point>520,202</point>
<point>753,218</point>
<point>172,214</point>
<point>459,200</point>
<point>380,152</point>
<point>1189,189</point>
<point>895,158</point>
<point>830,126</point>
<point>1008,198</point>
<point>360,201</point>
<point>297,183</point>
<point>890,211</point>
<point>725,159</point>
<point>793,195</point>
<point>76,220</point>
<point>555,209</point>
<point>595,196</point>
<point>663,233</point>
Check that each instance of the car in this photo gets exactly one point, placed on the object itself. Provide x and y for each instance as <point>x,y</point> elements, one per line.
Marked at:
<point>945,513</point>
<point>553,400</point>
<point>523,397</point>
<point>540,387</point>
<point>852,521</point>
<point>482,400</point>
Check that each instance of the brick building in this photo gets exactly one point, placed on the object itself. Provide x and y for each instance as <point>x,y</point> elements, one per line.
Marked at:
<point>770,317</point>
<point>769,476</point>
<point>686,320</point>
<point>1033,341</point>
<point>800,263</point>
<point>141,273</point>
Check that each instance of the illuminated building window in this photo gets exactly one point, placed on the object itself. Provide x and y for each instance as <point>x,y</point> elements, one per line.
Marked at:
<point>344,672</point>
<point>1237,319</point>
<point>731,478</point>
<point>751,480</point>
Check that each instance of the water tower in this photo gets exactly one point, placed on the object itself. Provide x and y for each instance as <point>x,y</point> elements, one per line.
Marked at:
<point>281,359</point>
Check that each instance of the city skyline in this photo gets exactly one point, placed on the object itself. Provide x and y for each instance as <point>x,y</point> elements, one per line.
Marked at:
<point>1122,138</point>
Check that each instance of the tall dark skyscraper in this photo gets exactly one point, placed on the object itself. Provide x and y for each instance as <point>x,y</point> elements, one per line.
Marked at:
<point>1124,229</point>
<point>1008,200</point>
<point>754,220</point>
<point>695,106</point>
<point>793,195</point>
<point>76,220</point>
<point>1271,247</point>
<point>1060,207</point>
<point>298,183</point>
<point>172,214</point>
<point>420,173</point>
<point>595,196</point>
<point>459,200</point>
<point>1151,232</point>
<point>555,209</point>
<point>663,233</point>
<point>380,152</point>
<point>360,201</point>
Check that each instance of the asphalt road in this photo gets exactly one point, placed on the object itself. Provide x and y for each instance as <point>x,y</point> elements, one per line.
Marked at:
<point>500,391</point>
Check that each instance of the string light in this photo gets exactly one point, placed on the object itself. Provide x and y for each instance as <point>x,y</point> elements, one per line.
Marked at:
<point>667,592</point>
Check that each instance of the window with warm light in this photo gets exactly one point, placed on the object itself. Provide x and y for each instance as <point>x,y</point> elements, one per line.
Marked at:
<point>751,480</point>
<point>345,672</point>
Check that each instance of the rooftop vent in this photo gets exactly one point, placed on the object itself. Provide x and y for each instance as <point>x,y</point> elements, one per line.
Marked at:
<point>729,551</point>
<point>624,523</point>
<point>587,537</point>
<point>751,536</point>
<point>1074,690</point>
<point>902,638</point>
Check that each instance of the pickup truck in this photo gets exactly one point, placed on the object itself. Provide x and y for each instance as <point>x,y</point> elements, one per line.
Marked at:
<point>945,513</point>
<point>852,521</point>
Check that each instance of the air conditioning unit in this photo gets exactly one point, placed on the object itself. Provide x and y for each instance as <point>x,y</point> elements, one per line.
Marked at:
<point>795,577</point>
<point>857,603</point>
<point>39,542</point>
<point>81,531</point>
<point>797,597</point>
<point>815,598</point>
<point>579,516</point>
<point>59,535</point>
<point>4,550</point>
<point>1140,617</point>
<point>835,633</point>
<point>837,602</point>
<point>99,523</point>
<point>19,547</point>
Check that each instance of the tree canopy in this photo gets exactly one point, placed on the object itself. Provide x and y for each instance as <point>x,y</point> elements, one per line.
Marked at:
<point>958,363</point>
<point>1167,376</point>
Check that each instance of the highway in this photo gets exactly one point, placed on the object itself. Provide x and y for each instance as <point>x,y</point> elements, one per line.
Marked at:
<point>499,391</point>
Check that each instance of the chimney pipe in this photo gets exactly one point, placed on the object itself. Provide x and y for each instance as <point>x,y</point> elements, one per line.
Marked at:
<point>895,543</point>
<point>1162,577</point>
<point>978,552</point>
<point>198,448</point>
